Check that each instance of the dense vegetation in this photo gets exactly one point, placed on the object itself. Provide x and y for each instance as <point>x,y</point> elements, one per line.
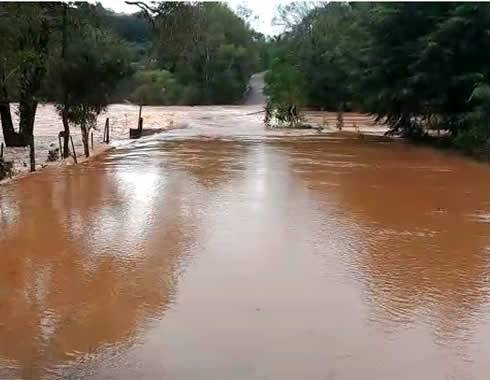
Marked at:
<point>194,53</point>
<point>186,53</point>
<point>61,53</point>
<point>417,66</point>
<point>82,57</point>
<point>203,53</point>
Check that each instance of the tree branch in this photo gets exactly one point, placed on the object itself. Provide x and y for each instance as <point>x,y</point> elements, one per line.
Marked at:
<point>148,11</point>
<point>143,6</point>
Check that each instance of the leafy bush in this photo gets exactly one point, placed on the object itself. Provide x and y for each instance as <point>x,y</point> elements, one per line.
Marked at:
<point>476,135</point>
<point>285,86</point>
<point>156,87</point>
<point>410,65</point>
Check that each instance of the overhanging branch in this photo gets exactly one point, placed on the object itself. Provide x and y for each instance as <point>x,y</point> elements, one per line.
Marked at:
<point>147,10</point>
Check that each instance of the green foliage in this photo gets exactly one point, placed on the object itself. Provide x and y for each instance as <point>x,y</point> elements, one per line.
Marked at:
<point>27,35</point>
<point>286,88</point>
<point>208,48</point>
<point>286,84</point>
<point>93,64</point>
<point>154,87</point>
<point>25,30</point>
<point>409,64</point>
<point>332,74</point>
<point>431,70</point>
<point>477,133</point>
<point>85,68</point>
<point>132,28</point>
<point>81,56</point>
<point>315,61</point>
<point>197,53</point>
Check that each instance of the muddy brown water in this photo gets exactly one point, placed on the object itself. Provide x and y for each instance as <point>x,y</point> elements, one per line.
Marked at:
<point>222,251</point>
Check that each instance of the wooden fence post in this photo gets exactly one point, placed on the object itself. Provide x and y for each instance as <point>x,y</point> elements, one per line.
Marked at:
<point>1,151</point>
<point>106,131</point>
<point>92,139</point>
<point>74,151</point>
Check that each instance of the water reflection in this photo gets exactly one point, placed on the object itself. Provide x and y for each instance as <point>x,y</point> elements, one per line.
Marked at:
<point>268,258</point>
<point>421,256</point>
<point>90,254</point>
<point>78,274</point>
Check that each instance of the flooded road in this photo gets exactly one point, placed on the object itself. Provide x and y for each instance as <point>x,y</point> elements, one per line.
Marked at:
<point>222,251</point>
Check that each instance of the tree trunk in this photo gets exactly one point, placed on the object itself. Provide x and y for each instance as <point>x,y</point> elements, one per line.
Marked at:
<point>27,115</point>
<point>64,118</point>
<point>32,154</point>
<point>30,84</point>
<point>66,136</point>
<point>10,137</point>
<point>86,149</point>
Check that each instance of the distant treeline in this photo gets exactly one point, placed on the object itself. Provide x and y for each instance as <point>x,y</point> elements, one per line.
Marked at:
<point>180,53</point>
<point>187,53</point>
<point>418,66</point>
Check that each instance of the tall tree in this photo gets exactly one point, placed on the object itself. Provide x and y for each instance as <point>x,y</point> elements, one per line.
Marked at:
<point>26,40</point>
<point>209,48</point>
<point>413,65</point>
<point>92,64</point>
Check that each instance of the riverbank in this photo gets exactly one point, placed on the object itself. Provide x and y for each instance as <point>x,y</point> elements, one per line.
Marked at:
<point>99,149</point>
<point>447,143</point>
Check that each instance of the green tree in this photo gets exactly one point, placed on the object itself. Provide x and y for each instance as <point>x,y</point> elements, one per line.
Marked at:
<point>388,81</point>
<point>286,89</point>
<point>207,47</point>
<point>26,39</point>
<point>321,45</point>
<point>414,66</point>
<point>93,63</point>
<point>156,87</point>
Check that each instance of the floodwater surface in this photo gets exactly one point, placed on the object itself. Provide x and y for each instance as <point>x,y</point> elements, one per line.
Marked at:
<point>221,252</point>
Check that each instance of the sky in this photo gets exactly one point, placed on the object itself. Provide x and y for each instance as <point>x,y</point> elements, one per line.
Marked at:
<point>264,10</point>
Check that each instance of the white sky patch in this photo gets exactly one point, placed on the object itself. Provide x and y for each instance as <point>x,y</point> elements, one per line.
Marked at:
<point>264,10</point>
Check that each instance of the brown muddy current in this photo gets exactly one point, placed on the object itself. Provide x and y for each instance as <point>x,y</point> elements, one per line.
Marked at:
<point>222,251</point>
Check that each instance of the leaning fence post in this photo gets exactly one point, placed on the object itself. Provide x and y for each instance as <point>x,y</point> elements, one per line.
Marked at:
<point>106,133</point>
<point>74,151</point>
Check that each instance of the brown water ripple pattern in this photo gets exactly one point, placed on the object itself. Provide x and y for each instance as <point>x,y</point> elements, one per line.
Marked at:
<point>221,252</point>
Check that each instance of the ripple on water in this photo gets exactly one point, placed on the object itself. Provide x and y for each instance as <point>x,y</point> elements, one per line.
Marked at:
<point>247,256</point>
